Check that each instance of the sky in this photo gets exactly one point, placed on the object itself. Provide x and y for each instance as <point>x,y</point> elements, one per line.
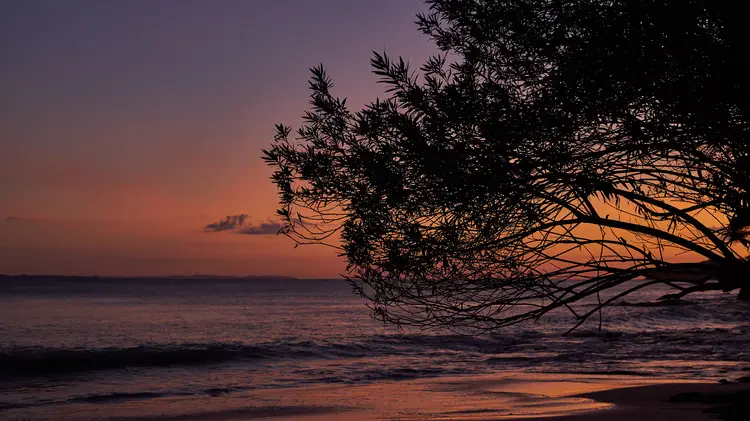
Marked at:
<point>128,126</point>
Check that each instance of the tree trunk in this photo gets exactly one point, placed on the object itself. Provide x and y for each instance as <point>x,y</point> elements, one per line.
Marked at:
<point>735,274</point>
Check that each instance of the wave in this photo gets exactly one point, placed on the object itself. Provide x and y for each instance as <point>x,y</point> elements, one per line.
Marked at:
<point>606,372</point>
<point>40,361</point>
<point>34,361</point>
<point>116,397</point>
<point>519,348</point>
<point>104,398</point>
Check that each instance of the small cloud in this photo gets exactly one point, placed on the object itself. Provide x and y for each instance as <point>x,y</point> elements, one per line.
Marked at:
<point>262,229</point>
<point>12,219</point>
<point>230,223</point>
<point>239,224</point>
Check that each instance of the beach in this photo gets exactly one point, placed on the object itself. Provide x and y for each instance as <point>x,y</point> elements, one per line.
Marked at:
<point>652,402</point>
<point>488,399</point>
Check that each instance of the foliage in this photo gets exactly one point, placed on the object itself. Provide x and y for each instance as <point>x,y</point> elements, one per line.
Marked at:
<point>551,152</point>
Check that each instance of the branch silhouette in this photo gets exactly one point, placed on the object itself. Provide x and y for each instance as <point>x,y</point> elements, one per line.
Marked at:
<point>553,152</point>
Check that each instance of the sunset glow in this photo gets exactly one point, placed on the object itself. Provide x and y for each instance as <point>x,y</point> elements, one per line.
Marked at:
<point>124,135</point>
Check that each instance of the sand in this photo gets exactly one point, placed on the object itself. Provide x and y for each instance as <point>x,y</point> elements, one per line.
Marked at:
<point>550,398</point>
<point>497,397</point>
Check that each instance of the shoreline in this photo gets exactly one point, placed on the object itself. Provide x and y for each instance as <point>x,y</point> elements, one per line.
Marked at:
<point>613,399</point>
<point>496,397</point>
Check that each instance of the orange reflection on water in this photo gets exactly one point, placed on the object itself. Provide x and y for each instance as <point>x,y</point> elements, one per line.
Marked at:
<point>456,398</point>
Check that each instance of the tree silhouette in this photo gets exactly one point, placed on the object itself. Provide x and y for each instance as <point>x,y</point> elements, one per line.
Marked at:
<point>551,152</point>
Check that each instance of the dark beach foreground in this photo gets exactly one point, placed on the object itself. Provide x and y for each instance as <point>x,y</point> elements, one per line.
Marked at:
<point>672,401</point>
<point>548,399</point>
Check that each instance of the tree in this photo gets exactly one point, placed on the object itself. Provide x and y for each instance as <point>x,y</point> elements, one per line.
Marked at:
<point>551,152</point>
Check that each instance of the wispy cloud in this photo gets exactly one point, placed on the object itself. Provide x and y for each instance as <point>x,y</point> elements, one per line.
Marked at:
<point>240,224</point>
<point>262,229</point>
<point>12,219</point>
<point>230,223</point>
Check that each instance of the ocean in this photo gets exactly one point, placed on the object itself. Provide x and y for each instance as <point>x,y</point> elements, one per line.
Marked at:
<point>140,349</point>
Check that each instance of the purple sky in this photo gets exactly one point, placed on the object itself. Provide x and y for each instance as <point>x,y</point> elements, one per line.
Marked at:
<point>126,126</point>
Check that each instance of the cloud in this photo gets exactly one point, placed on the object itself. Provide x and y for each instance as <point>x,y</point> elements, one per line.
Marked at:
<point>239,224</point>
<point>262,229</point>
<point>230,223</point>
<point>12,219</point>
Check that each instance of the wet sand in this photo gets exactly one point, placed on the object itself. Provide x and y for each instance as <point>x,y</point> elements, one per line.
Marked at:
<point>553,397</point>
<point>500,397</point>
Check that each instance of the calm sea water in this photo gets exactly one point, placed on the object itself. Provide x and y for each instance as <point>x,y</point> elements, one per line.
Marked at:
<point>159,348</point>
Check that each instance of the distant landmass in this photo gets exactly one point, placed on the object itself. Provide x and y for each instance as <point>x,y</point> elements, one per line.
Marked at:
<point>135,278</point>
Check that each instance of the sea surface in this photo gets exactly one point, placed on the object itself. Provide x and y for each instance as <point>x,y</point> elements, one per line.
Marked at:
<point>140,349</point>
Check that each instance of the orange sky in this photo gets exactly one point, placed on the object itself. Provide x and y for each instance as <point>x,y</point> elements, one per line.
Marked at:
<point>126,127</point>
